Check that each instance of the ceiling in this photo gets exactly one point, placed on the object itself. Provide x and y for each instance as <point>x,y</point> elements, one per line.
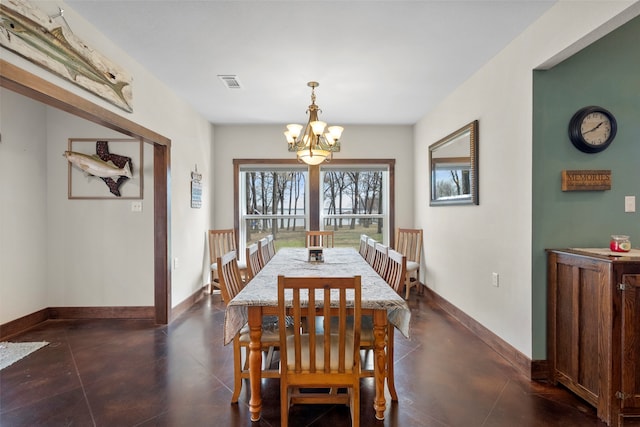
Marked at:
<point>377,62</point>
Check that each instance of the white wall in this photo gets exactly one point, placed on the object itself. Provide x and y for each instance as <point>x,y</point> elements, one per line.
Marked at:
<point>358,142</point>
<point>99,252</point>
<point>465,244</point>
<point>23,206</point>
<point>159,109</point>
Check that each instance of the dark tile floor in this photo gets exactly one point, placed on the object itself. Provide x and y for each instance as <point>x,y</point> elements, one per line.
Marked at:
<point>132,373</point>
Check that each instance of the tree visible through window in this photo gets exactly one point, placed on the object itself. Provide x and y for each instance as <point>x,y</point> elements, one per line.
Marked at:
<point>354,200</point>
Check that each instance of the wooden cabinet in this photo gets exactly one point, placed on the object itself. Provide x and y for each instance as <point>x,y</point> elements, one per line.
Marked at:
<point>593,329</point>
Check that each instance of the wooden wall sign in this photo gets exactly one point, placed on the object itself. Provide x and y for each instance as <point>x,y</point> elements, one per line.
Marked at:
<point>586,180</point>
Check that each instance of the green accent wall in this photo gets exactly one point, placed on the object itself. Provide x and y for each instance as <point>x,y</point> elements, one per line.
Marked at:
<point>607,74</point>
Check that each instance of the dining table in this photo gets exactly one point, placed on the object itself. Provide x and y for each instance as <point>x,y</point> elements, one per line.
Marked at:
<point>259,298</point>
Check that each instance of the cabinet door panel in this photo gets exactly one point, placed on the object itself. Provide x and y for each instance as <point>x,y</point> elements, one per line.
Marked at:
<point>589,323</point>
<point>578,322</point>
<point>631,341</point>
<point>566,353</point>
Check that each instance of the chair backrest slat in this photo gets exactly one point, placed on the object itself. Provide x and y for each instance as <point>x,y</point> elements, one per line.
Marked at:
<point>229,276</point>
<point>396,270</point>
<point>221,242</point>
<point>380,259</point>
<point>271,245</point>
<point>363,245</point>
<point>409,243</point>
<point>263,250</point>
<point>371,250</point>
<point>253,260</point>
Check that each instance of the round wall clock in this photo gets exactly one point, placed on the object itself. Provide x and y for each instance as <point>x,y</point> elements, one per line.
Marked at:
<point>592,129</point>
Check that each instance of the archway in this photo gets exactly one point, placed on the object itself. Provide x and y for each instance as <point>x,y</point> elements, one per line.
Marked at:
<point>34,87</point>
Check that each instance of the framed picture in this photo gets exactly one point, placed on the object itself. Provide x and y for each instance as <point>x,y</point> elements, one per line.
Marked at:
<point>196,189</point>
<point>105,168</point>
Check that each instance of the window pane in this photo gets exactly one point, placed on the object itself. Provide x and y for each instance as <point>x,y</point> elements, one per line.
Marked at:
<point>274,203</point>
<point>353,192</point>
<point>347,231</point>
<point>289,232</point>
<point>274,192</point>
<point>354,203</point>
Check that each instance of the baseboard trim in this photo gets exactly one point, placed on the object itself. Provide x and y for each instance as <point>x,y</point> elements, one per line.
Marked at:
<point>24,323</point>
<point>126,312</point>
<point>534,370</point>
<point>187,303</point>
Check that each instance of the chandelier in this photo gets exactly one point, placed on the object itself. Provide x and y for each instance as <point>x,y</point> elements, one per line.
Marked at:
<point>311,143</point>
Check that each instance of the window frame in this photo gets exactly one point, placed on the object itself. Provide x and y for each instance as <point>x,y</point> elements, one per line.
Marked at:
<point>314,186</point>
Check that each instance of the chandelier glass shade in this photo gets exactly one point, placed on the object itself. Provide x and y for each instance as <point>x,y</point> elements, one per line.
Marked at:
<point>315,142</point>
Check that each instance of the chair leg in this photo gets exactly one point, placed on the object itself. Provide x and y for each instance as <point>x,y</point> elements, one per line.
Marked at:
<point>213,283</point>
<point>419,288</point>
<point>390,374</point>
<point>269,358</point>
<point>284,403</point>
<point>407,285</point>
<point>355,405</point>
<point>237,368</point>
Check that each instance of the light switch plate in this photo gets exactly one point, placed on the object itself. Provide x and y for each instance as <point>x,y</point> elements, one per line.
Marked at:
<point>495,279</point>
<point>629,203</point>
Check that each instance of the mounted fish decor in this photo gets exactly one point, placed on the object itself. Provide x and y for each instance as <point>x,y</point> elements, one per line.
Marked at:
<point>113,169</point>
<point>30,33</point>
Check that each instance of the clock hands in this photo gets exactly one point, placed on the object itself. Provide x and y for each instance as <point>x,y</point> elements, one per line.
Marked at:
<point>592,130</point>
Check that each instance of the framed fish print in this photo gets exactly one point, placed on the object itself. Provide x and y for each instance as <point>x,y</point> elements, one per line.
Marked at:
<point>105,168</point>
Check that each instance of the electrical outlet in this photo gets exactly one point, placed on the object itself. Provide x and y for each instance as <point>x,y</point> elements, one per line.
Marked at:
<point>629,203</point>
<point>175,263</point>
<point>136,206</point>
<point>495,279</point>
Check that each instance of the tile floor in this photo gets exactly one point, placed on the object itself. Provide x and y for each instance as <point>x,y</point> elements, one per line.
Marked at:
<point>133,373</point>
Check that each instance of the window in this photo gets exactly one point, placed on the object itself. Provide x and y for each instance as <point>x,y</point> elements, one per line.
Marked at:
<point>354,202</point>
<point>273,201</point>
<point>283,198</point>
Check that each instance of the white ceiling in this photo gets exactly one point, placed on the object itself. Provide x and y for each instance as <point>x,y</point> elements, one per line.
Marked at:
<point>377,62</point>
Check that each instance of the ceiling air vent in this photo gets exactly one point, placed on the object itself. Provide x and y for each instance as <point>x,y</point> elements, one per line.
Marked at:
<point>230,81</point>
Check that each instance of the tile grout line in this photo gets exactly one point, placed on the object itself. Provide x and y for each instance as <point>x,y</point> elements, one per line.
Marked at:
<point>84,392</point>
<point>495,403</point>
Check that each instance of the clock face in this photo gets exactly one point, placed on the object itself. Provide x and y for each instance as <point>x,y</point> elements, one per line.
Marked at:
<point>595,128</point>
<point>592,129</point>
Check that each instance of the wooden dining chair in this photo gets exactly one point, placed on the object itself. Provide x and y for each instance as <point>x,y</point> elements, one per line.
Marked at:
<point>409,243</point>
<point>253,261</point>
<point>230,285</point>
<point>395,274</point>
<point>221,242</point>
<point>263,251</point>
<point>380,259</point>
<point>319,358</point>
<point>271,243</point>
<point>363,246</point>
<point>322,239</point>
<point>371,251</point>
<point>395,277</point>
<point>396,270</point>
